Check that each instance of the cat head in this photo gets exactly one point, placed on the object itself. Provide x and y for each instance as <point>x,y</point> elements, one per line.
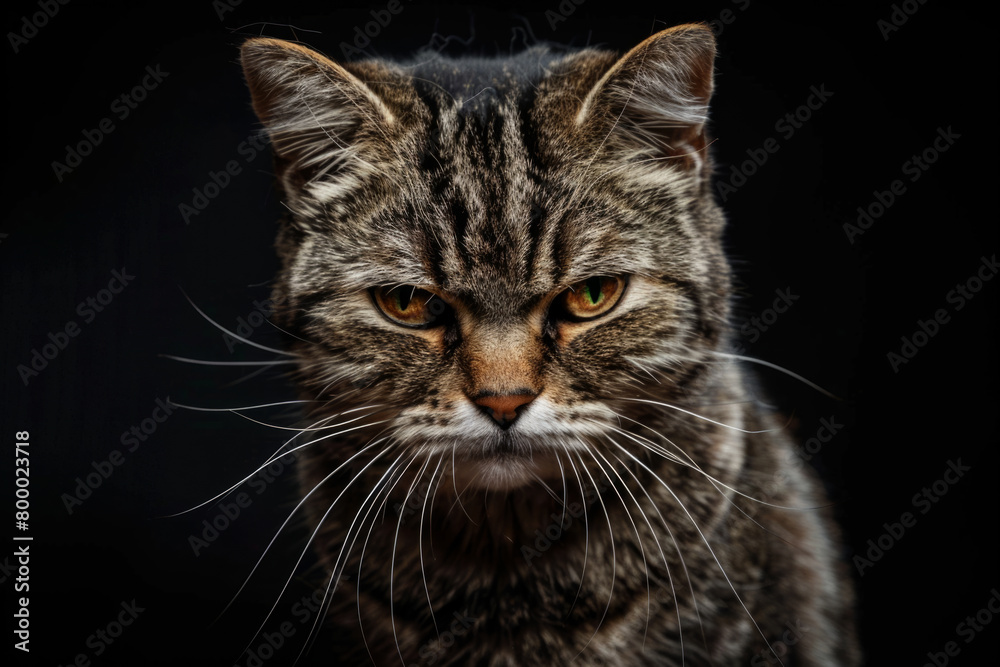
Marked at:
<point>493,255</point>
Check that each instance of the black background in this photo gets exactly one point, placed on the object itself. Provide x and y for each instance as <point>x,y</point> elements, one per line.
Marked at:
<point>120,208</point>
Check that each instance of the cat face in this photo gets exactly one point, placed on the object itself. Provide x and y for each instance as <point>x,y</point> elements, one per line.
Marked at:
<point>490,265</point>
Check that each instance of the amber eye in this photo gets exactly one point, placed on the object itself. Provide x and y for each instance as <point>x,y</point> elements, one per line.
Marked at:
<point>409,306</point>
<point>592,297</point>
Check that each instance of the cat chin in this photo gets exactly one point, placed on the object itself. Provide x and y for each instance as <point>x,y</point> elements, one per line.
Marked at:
<point>504,473</point>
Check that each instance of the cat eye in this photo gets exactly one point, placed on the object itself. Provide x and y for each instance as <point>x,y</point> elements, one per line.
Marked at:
<point>409,306</point>
<point>591,298</point>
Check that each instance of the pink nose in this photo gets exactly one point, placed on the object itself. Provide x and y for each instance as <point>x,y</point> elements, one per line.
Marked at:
<point>503,408</point>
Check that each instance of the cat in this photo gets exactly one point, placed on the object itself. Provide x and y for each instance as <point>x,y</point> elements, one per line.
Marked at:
<point>505,291</point>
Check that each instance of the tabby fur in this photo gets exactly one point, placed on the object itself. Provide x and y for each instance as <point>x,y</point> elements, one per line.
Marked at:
<point>628,516</point>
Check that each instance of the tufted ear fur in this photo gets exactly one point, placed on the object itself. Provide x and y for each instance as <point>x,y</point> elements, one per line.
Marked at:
<point>321,117</point>
<point>656,96</point>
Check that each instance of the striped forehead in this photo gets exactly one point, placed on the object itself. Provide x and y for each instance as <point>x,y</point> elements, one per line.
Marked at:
<point>488,223</point>
<point>484,212</point>
<point>517,225</point>
<point>504,220</point>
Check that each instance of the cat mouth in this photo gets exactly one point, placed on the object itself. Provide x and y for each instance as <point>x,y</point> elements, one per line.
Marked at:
<point>507,460</point>
<point>540,445</point>
<point>501,449</point>
<point>501,446</point>
<point>496,448</point>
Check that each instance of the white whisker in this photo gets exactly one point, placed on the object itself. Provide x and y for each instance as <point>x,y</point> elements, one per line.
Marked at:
<point>586,528</point>
<point>693,466</point>
<point>341,562</point>
<point>312,536</point>
<point>677,547</point>
<point>693,414</point>
<point>420,545</point>
<point>233,334</point>
<point>204,362</point>
<point>272,459</point>
<point>704,539</point>
<point>284,523</point>
<point>594,453</point>
<point>614,558</point>
<point>780,369</point>
<point>392,560</point>
<point>243,407</point>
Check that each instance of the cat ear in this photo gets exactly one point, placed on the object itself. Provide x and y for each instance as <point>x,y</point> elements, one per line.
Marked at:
<point>320,117</point>
<point>656,96</point>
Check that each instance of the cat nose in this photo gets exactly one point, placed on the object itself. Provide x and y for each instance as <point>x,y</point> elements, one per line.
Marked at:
<point>503,408</point>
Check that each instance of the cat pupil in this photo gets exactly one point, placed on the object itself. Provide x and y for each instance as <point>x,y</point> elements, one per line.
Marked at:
<point>403,299</point>
<point>593,289</point>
